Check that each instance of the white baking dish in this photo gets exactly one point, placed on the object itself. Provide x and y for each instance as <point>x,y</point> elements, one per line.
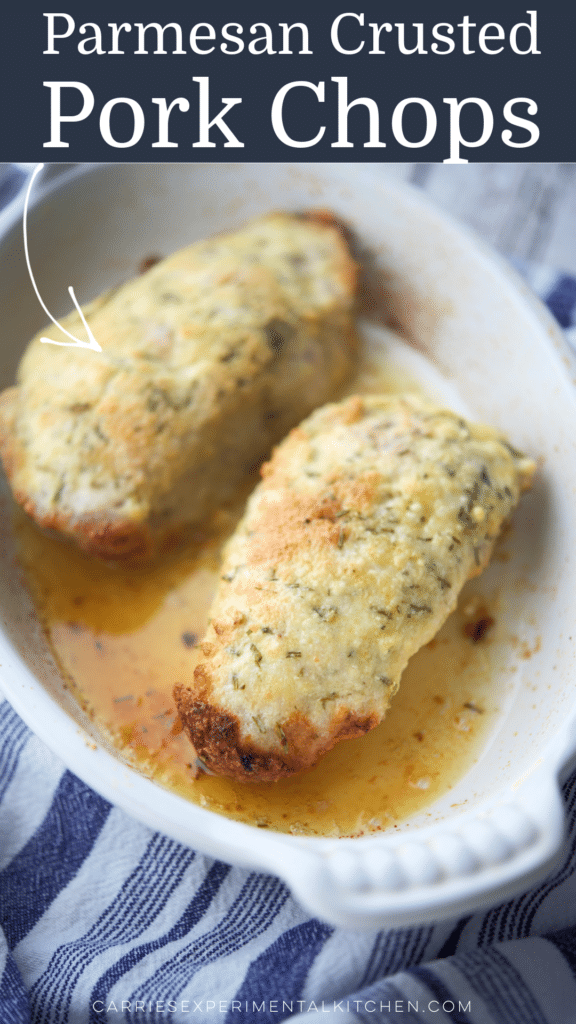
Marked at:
<point>499,350</point>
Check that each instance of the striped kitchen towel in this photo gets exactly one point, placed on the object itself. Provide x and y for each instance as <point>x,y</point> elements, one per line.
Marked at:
<point>105,921</point>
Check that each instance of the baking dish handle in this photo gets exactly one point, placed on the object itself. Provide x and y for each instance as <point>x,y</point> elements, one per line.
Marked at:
<point>488,857</point>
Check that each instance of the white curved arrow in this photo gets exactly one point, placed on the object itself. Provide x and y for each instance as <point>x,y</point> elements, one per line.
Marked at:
<point>75,342</point>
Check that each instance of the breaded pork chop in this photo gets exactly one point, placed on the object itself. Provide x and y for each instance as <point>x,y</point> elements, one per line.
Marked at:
<point>369,519</point>
<point>208,359</point>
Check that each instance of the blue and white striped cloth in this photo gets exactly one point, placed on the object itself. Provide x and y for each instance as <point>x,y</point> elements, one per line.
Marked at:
<point>104,921</point>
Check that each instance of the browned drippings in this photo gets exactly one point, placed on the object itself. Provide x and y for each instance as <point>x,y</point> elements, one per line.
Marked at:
<point>124,636</point>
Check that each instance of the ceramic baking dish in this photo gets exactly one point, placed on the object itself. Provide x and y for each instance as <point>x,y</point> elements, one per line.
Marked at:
<point>500,352</point>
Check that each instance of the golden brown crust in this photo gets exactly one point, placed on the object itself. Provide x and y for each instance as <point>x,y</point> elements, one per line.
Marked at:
<point>108,538</point>
<point>207,360</point>
<point>7,439</point>
<point>216,735</point>
<point>120,540</point>
<point>370,517</point>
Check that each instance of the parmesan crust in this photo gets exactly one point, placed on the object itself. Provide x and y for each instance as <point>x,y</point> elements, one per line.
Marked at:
<point>208,359</point>
<point>370,518</point>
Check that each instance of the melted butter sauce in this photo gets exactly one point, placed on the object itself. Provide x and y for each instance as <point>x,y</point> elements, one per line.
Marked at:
<point>124,636</point>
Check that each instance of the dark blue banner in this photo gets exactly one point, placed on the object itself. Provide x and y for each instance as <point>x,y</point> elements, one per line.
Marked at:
<point>379,81</point>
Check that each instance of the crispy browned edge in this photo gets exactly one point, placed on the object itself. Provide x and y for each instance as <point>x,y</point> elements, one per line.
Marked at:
<point>114,540</point>
<point>217,739</point>
<point>216,733</point>
<point>98,534</point>
<point>102,534</point>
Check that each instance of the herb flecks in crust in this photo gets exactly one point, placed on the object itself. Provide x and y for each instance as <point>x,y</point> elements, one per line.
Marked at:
<point>419,496</point>
<point>209,358</point>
